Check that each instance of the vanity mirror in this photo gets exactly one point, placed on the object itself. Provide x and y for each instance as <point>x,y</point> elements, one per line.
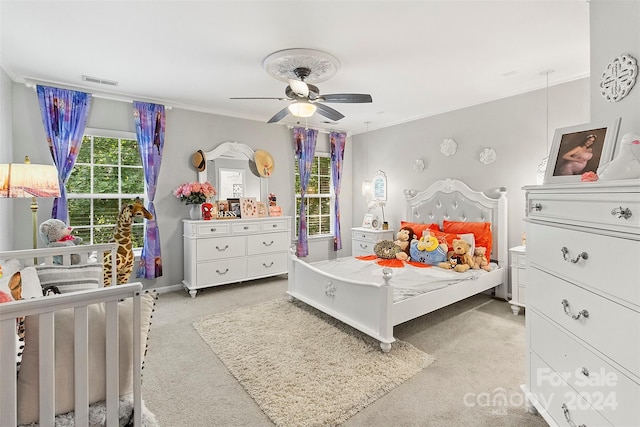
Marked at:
<point>231,168</point>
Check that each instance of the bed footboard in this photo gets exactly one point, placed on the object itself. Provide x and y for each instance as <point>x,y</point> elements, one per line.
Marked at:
<point>365,306</point>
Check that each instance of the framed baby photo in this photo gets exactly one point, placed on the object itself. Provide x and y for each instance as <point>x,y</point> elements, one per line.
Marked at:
<point>234,206</point>
<point>580,149</point>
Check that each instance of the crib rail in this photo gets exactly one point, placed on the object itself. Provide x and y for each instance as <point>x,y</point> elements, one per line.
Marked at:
<point>87,253</point>
<point>45,309</point>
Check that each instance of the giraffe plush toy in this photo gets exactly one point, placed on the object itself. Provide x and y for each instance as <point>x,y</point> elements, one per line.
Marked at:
<point>122,236</point>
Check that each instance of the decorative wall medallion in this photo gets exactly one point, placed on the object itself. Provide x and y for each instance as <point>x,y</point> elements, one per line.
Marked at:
<point>418,165</point>
<point>618,78</point>
<point>281,64</point>
<point>488,155</point>
<point>448,147</point>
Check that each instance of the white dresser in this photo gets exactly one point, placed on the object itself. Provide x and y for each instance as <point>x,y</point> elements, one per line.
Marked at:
<point>583,303</point>
<point>218,252</point>
<point>364,239</point>
<point>518,266</point>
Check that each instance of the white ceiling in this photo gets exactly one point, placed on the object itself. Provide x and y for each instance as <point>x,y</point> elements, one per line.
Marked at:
<point>415,58</point>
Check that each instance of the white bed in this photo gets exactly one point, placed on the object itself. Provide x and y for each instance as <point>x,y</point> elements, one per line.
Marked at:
<point>46,314</point>
<point>365,299</point>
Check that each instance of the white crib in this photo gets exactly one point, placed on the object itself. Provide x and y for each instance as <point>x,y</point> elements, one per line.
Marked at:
<point>45,309</point>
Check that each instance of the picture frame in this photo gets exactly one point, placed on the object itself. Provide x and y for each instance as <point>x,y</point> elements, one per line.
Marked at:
<point>234,206</point>
<point>366,221</point>
<point>248,207</point>
<point>567,161</point>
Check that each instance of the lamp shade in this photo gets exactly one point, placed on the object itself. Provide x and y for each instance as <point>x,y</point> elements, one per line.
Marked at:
<point>367,188</point>
<point>18,180</point>
<point>302,109</point>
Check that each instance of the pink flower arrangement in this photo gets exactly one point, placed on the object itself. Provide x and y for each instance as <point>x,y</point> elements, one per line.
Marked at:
<point>195,193</point>
<point>589,177</point>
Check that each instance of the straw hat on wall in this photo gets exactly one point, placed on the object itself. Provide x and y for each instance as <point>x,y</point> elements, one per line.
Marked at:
<point>198,161</point>
<point>264,163</point>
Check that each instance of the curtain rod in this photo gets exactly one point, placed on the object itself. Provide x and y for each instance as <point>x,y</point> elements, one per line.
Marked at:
<point>32,83</point>
<point>322,130</point>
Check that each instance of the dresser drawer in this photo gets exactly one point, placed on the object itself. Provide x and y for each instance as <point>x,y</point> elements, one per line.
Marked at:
<point>268,242</point>
<point>223,247</point>
<point>362,247</point>
<point>608,391</point>
<point>601,210</point>
<point>369,235</point>
<point>213,228</point>
<point>564,404</point>
<point>221,271</point>
<point>611,328</point>
<point>611,266</point>
<point>267,265</point>
<point>275,225</point>
<point>242,227</point>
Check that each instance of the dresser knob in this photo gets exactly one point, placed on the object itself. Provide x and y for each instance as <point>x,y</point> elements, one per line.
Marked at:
<point>222,249</point>
<point>274,225</point>
<point>223,272</point>
<point>621,212</point>
<point>565,252</point>
<point>246,227</point>
<point>567,311</point>
<point>363,246</point>
<point>536,207</point>
<point>585,371</point>
<point>267,266</point>
<point>267,244</point>
<point>212,230</point>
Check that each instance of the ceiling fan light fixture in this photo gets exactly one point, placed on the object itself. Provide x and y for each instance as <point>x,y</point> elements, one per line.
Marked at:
<point>302,109</point>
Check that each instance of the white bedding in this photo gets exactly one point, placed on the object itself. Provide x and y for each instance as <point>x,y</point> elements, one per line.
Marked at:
<point>406,282</point>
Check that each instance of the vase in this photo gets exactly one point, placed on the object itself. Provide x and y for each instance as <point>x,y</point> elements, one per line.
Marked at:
<point>194,212</point>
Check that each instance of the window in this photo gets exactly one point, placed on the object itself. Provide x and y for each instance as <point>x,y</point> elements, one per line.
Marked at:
<point>107,174</point>
<point>319,197</point>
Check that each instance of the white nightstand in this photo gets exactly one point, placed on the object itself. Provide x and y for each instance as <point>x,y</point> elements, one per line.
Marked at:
<point>518,256</point>
<point>364,239</point>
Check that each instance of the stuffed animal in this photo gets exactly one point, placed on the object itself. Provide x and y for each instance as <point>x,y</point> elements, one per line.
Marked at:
<point>626,165</point>
<point>403,240</point>
<point>386,249</point>
<point>427,250</point>
<point>55,233</point>
<point>459,259</point>
<point>480,258</point>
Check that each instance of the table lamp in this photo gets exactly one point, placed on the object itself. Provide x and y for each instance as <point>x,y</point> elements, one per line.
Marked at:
<point>20,180</point>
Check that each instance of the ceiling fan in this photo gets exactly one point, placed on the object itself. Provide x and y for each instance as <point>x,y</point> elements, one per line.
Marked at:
<point>307,99</point>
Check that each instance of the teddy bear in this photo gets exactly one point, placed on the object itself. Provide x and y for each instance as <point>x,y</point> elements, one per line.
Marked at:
<point>55,233</point>
<point>480,258</point>
<point>403,240</point>
<point>459,259</point>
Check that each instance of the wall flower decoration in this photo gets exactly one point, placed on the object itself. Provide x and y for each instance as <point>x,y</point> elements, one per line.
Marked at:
<point>195,193</point>
<point>448,147</point>
<point>488,155</point>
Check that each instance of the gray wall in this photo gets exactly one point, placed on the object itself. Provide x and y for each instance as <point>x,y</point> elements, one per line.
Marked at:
<point>515,127</point>
<point>615,30</point>
<point>186,132</point>
<point>6,156</point>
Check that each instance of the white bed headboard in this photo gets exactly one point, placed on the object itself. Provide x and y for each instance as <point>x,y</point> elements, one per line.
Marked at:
<point>453,200</point>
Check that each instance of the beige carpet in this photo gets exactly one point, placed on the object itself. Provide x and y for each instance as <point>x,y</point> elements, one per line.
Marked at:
<point>304,368</point>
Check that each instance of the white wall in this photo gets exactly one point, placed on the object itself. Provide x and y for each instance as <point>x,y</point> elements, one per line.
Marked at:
<point>515,127</point>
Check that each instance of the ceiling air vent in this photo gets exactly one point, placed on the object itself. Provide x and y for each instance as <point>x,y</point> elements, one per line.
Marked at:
<point>99,81</point>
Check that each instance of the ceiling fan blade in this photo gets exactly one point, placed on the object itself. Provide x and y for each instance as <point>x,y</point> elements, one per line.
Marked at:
<point>329,112</point>
<point>299,87</point>
<point>258,97</point>
<point>346,97</point>
<point>279,115</point>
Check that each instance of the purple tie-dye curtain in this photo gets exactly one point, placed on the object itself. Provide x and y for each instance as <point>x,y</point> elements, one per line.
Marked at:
<point>305,140</point>
<point>64,116</point>
<point>150,125</point>
<point>337,156</point>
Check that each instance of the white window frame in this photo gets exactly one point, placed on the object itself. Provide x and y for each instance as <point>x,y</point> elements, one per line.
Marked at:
<point>108,133</point>
<point>331,195</point>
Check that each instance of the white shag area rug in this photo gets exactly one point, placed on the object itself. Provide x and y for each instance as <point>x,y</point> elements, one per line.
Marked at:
<point>302,367</point>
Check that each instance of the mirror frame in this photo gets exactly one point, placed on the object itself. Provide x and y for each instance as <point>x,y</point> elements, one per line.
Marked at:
<point>236,150</point>
<point>379,184</point>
